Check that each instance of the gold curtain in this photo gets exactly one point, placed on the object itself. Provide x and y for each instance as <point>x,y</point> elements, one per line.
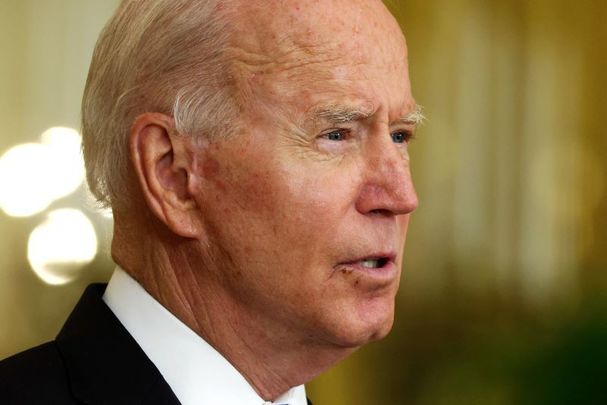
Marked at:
<point>45,46</point>
<point>508,248</point>
<point>510,241</point>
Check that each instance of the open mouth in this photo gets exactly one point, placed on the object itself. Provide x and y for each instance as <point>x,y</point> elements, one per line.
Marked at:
<point>375,270</point>
<point>374,262</point>
<point>370,262</point>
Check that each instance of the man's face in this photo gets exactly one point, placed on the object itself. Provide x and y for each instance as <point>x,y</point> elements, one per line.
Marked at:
<point>306,207</point>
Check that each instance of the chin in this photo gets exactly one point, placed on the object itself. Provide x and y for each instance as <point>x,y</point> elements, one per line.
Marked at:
<point>380,330</point>
<point>368,324</point>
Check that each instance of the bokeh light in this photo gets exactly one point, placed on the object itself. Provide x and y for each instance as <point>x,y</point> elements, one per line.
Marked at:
<point>33,175</point>
<point>67,165</point>
<point>60,247</point>
<point>23,187</point>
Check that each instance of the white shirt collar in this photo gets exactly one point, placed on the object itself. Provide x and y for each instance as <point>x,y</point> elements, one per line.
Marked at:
<point>194,370</point>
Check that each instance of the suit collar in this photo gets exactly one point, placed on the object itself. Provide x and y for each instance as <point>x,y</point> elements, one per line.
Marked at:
<point>104,363</point>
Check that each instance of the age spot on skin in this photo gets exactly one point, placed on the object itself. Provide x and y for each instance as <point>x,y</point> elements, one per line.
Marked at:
<point>346,272</point>
<point>210,168</point>
<point>210,171</point>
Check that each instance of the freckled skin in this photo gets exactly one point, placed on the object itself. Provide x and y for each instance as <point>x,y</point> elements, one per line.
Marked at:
<point>250,239</point>
<point>298,207</point>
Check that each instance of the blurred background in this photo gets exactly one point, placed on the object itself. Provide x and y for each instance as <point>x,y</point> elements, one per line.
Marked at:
<point>504,295</point>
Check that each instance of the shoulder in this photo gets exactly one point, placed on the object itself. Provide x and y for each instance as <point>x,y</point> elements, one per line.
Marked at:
<point>35,375</point>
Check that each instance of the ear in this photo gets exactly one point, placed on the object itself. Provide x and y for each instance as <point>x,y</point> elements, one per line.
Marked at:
<point>160,158</point>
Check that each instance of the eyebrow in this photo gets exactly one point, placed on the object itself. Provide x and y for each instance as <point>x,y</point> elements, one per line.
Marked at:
<point>415,117</point>
<point>342,115</point>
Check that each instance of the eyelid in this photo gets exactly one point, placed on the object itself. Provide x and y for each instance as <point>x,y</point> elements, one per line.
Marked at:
<point>409,134</point>
<point>344,131</point>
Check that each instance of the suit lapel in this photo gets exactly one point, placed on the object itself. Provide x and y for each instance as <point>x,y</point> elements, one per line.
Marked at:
<point>104,363</point>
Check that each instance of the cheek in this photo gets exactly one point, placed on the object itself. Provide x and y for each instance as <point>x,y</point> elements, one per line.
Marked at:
<point>283,190</point>
<point>296,211</point>
<point>248,202</point>
<point>309,197</point>
<point>265,203</point>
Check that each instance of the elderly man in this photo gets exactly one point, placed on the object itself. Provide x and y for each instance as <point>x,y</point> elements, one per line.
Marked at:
<point>255,156</point>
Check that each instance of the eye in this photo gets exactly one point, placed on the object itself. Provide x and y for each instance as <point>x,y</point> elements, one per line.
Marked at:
<point>401,136</point>
<point>336,135</point>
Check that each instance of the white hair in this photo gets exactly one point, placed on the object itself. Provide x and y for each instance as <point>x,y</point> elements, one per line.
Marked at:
<point>153,56</point>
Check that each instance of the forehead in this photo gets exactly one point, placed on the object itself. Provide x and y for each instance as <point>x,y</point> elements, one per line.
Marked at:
<point>324,48</point>
<point>279,30</point>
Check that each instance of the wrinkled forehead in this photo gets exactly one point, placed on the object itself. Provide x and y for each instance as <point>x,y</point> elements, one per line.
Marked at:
<point>283,30</point>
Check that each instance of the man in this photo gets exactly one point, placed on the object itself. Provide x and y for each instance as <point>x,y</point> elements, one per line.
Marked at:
<point>255,157</point>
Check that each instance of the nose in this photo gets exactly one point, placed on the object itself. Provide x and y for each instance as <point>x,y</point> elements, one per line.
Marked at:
<point>387,187</point>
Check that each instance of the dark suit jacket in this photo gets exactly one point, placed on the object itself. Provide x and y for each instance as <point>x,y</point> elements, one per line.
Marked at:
<point>94,360</point>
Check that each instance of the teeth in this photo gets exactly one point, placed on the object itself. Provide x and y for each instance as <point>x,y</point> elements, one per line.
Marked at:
<point>370,263</point>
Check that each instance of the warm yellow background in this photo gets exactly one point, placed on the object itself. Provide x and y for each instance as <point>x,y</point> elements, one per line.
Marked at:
<point>504,295</point>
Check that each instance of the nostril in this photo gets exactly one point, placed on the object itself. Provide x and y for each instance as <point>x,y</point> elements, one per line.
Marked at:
<point>381,212</point>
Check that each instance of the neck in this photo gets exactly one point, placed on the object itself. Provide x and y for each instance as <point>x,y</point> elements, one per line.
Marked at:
<point>271,357</point>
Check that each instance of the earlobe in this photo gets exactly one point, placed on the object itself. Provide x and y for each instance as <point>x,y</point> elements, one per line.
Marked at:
<point>159,156</point>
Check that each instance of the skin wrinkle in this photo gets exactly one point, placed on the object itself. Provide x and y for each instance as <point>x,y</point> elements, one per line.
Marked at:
<point>336,115</point>
<point>274,373</point>
<point>288,52</point>
<point>291,51</point>
<point>275,216</point>
<point>189,299</point>
<point>300,139</point>
<point>339,114</point>
<point>248,69</point>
